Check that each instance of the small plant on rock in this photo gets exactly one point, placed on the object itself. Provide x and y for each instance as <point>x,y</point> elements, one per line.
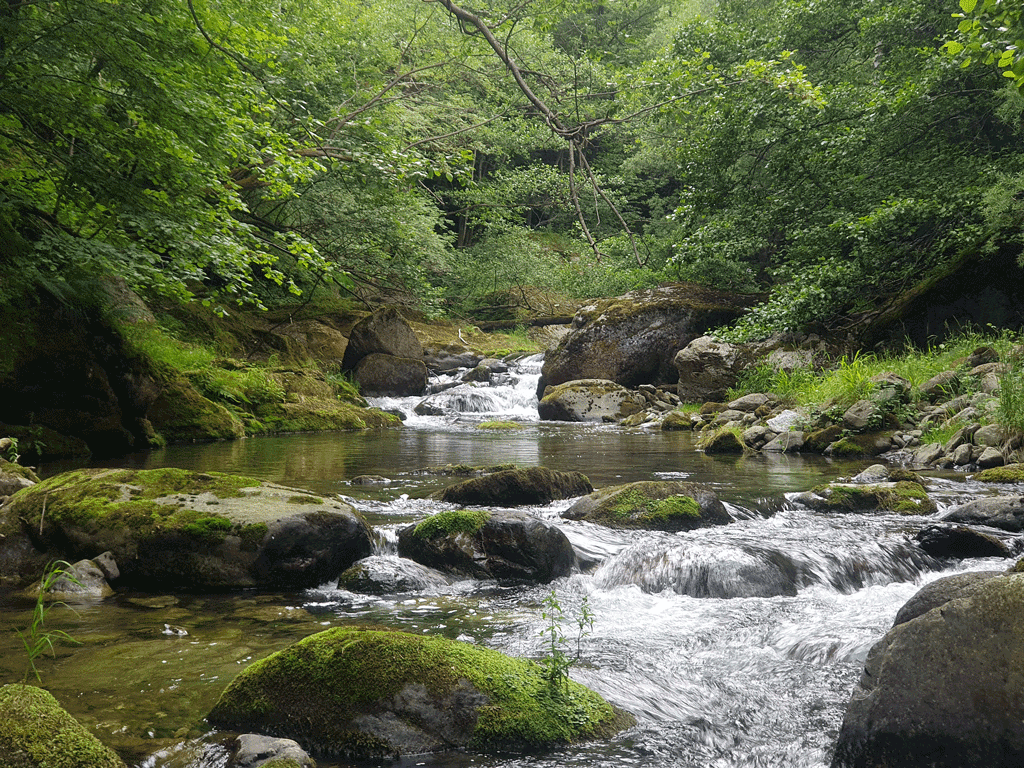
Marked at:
<point>558,661</point>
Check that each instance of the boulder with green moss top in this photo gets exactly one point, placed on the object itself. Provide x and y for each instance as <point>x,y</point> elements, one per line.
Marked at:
<point>589,400</point>
<point>632,339</point>
<point>181,415</point>
<point>677,421</point>
<point>653,505</point>
<point>36,732</point>
<point>504,545</point>
<point>905,497</point>
<point>173,528</point>
<point>944,689</point>
<point>721,440</point>
<point>860,446</point>
<point>518,487</point>
<point>317,415</point>
<point>359,693</point>
<point>14,477</point>
<point>1010,473</point>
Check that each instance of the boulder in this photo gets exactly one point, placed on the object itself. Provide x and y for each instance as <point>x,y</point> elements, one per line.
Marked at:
<point>388,575</point>
<point>940,386</point>
<point>943,689</point>
<point>749,403</point>
<point>173,528</point>
<point>36,732</point>
<point>786,442</point>
<point>14,477</point>
<point>386,332</point>
<point>959,542</point>
<point>941,591</point>
<point>1003,512</point>
<point>362,694</point>
<point>707,368</point>
<point>860,415</point>
<point>381,375</point>
<point>503,545</point>
<point>589,400</point>
<point>518,487</point>
<point>1010,473</point>
<point>722,440</point>
<point>654,505</point>
<point>83,580</point>
<point>252,750</point>
<point>632,339</point>
<point>905,497</point>
<point>701,570</point>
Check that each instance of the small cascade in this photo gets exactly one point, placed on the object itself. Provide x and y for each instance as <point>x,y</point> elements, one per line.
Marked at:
<point>509,395</point>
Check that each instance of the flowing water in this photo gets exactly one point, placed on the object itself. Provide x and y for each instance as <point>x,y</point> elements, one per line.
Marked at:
<point>758,679</point>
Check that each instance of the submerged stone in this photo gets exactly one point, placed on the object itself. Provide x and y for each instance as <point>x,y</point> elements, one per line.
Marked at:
<point>369,694</point>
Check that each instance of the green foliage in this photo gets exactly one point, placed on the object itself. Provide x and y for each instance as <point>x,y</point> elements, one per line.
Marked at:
<point>1011,396</point>
<point>991,32</point>
<point>10,452</point>
<point>36,638</point>
<point>786,385</point>
<point>558,661</point>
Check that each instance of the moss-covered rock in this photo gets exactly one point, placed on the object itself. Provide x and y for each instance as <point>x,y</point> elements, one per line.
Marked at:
<point>506,426</point>
<point>676,421</point>
<point>860,446</point>
<point>653,505</point>
<point>364,694</point>
<point>589,400</point>
<point>1010,473</point>
<point>502,545</point>
<point>35,732</point>
<point>316,415</point>
<point>180,414</point>
<point>173,527</point>
<point>516,487</point>
<point>904,497</point>
<point>722,440</point>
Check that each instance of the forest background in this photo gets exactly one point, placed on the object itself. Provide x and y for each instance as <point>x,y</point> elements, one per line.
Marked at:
<point>826,154</point>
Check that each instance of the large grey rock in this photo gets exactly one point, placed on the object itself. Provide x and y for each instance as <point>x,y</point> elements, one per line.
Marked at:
<point>632,339</point>
<point>959,542</point>
<point>860,415</point>
<point>941,591</point>
<point>251,750</point>
<point>589,400</point>
<point>706,368</point>
<point>503,545</point>
<point>380,375</point>
<point>940,386</point>
<point>389,575</point>
<point>384,332</point>
<point>518,487</point>
<point>1003,512</point>
<point>943,690</point>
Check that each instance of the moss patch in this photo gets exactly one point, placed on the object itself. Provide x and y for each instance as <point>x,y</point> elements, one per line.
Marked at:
<point>904,497</point>
<point>314,690</point>
<point>451,522</point>
<point>1011,473</point>
<point>499,425</point>
<point>722,440</point>
<point>36,731</point>
<point>633,506</point>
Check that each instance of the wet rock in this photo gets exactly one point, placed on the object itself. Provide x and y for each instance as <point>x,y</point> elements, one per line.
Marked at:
<point>35,732</point>
<point>518,487</point>
<point>362,694</point>
<point>632,339</point>
<point>928,454</point>
<point>385,575</point>
<point>905,497</point>
<point>1010,473</point>
<point>699,570</point>
<point>787,442</point>
<point>173,528</point>
<point>876,473</point>
<point>386,332</point>
<point>589,400</point>
<point>936,691</point>
<point>370,480</point>
<point>959,542</point>
<point>252,750</point>
<point>941,591</point>
<point>860,415</point>
<point>756,436</point>
<point>652,505</point>
<point>503,545</point>
<point>481,373</point>
<point>380,375</point>
<point>722,440</point>
<point>83,580</point>
<point>1003,512</point>
<point>677,420</point>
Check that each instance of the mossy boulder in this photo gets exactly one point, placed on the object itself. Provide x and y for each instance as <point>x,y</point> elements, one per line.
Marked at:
<point>722,440</point>
<point>589,400</point>
<point>503,545</point>
<point>632,339</point>
<point>36,732</point>
<point>905,497</point>
<point>944,689</point>
<point>652,505</point>
<point>1003,512</point>
<point>360,693</point>
<point>676,421</point>
<point>173,528</point>
<point>385,332</point>
<point>318,415</point>
<point>518,487</point>
<point>181,415</point>
<point>1010,473</point>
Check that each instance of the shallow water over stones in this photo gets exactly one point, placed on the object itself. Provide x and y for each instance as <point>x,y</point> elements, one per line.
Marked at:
<point>748,676</point>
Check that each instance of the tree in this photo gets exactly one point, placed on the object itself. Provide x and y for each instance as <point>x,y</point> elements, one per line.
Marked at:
<point>991,32</point>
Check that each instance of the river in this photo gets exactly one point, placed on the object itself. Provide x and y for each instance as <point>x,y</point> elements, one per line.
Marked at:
<point>713,682</point>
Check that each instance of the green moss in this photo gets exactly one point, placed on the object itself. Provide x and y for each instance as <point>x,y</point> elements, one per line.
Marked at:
<point>315,688</point>
<point>634,506</point>
<point>506,425</point>
<point>305,499</point>
<point>36,731</point>
<point>676,420</point>
<point>721,440</point>
<point>904,497</point>
<point>452,521</point>
<point>846,447</point>
<point>1011,473</point>
<point>281,762</point>
<point>10,468</point>
<point>102,499</point>
<point>252,535</point>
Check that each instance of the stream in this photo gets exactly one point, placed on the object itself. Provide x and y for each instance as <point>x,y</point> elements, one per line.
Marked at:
<point>713,683</point>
